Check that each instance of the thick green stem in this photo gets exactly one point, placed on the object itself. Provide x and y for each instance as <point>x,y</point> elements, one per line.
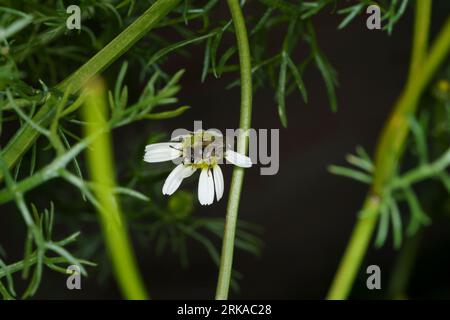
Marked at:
<point>101,168</point>
<point>420,42</point>
<point>391,142</point>
<point>398,284</point>
<point>26,135</point>
<point>119,44</point>
<point>357,246</point>
<point>226,260</point>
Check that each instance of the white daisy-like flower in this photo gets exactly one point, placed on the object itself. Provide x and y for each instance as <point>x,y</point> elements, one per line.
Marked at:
<point>203,150</point>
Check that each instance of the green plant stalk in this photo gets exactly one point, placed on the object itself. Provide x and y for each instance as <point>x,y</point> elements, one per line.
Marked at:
<point>398,283</point>
<point>421,31</point>
<point>26,135</point>
<point>391,143</point>
<point>101,169</point>
<point>226,259</point>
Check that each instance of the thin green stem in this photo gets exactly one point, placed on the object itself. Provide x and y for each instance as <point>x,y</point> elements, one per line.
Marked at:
<point>391,143</point>
<point>26,135</point>
<point>45,174</point>
<point>226,260</point>
<point>423,172</point>
<point>20,265</point>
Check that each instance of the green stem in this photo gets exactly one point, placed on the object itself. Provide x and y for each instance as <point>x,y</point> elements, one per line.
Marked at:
<point>226,260</point>
<point>423,172</point>
<point>119,44</point>
<point>398,284</point>
<point>20,265</point>
<point>420,42</point>
<point>101,169</point>
<point>354,253</point>
<point>26,135</point>
<point>391,142</point>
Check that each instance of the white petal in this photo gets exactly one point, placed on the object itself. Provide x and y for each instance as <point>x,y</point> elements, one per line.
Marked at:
<point>206,187</point>
<point>218,182</point>
<point>161,154</point>
<point>174,180</point>
<point>189,171</point>
<point>238,159</point>
<point>202,187</point>
<point>163,146</point>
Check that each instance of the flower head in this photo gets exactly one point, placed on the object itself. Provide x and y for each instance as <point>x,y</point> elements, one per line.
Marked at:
<point>203,150</point>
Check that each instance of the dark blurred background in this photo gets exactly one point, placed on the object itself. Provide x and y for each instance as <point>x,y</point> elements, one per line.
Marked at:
<point>307,214</point>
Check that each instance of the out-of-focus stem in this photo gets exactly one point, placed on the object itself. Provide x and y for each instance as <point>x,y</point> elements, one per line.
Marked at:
<point>398,284</point>
<point>226,260</point>
<point>101,168</point>
<point>391,143</point>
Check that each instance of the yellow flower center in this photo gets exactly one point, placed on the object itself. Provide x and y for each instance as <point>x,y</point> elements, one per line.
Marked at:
<point>202,150</point>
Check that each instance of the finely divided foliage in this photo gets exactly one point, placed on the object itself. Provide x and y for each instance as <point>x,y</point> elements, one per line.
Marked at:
<point>43,72</point>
